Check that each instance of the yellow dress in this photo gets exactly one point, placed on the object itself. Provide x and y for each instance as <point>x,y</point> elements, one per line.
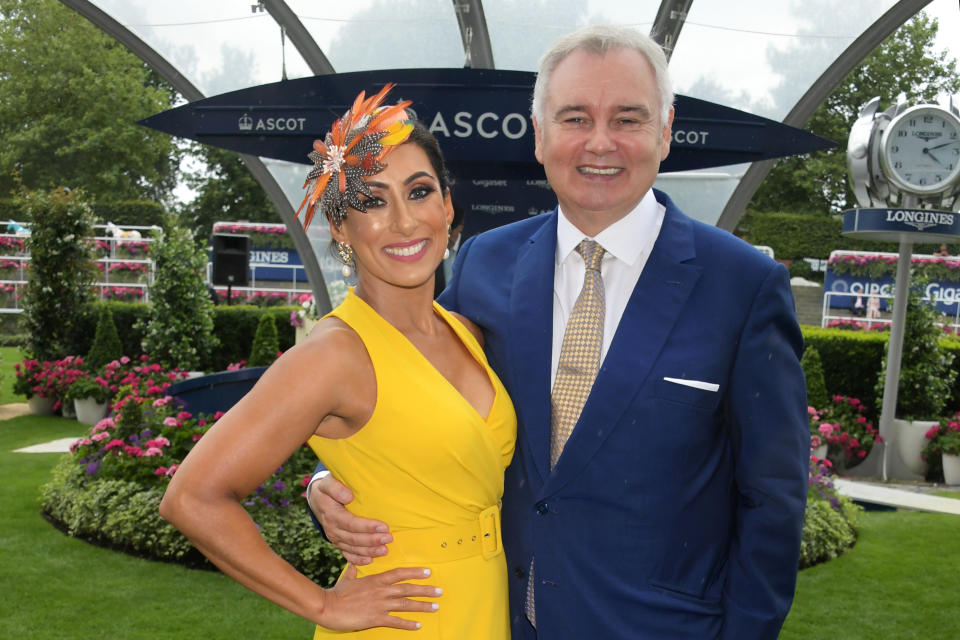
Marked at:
<point>431,467</point>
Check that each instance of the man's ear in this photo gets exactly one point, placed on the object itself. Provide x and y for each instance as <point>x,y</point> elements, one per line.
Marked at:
<point>667,135</point>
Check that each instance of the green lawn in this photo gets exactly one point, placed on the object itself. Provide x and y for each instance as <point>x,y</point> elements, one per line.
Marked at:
<point>55,586</point>
<point>899,582</point>
<point>9,356</point>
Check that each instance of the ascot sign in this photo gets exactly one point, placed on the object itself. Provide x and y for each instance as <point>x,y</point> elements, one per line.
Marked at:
<point>480,116</point>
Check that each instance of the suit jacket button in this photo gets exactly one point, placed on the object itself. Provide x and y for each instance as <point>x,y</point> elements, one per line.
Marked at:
<point>519,572</point>
<point>542,508</point>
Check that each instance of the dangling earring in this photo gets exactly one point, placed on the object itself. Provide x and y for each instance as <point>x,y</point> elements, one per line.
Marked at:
<point>345,252</point>
<point>446,252</point>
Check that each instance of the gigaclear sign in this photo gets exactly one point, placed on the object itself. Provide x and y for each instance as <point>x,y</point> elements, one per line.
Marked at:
<point>480,116</point>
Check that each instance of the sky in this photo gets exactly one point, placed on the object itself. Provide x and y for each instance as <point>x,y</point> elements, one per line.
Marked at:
<point>768,51</point>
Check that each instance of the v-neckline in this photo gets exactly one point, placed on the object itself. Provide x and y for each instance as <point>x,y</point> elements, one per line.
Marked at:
<point>448,319</point>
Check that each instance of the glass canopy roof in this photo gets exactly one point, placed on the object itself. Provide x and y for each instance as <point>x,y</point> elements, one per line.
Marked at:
<point>755,55</point>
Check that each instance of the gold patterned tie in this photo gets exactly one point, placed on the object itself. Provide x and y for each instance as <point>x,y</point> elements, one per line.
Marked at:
<point>579,352</point>
<point>577,369</point>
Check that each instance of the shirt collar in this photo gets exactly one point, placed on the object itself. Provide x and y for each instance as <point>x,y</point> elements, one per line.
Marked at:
<point>625,239</point>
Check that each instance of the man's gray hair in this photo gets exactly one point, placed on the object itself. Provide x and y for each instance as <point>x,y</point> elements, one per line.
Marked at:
<point>600,39</point>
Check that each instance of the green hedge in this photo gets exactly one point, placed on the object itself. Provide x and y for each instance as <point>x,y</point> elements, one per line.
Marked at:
<point>793,236</point>
<point>851,363</point>
<point>235,326</point>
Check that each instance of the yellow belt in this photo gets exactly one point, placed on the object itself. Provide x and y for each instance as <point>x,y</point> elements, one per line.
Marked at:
<point>454,542</point>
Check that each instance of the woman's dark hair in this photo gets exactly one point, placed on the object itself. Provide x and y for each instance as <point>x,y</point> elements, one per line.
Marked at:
<point>422,137</point>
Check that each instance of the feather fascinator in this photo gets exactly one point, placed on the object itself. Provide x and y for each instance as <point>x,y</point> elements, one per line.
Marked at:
<point>353,149</point>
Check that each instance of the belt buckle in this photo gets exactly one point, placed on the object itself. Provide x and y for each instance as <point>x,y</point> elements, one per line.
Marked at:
<point>490,531</point>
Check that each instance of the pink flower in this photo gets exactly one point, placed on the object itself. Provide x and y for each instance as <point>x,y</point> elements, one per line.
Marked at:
<point>131,450</point>
<point>217,415</point>
<point>159,402</point>
<point>113,444</point>
<point>124,360</point>
<point>932,432</point>
<point>184,415</point>
<point>825,429</point>
<point>173,469</point>
<point>153,451</point>
<point>160,471</point>
<point>98,437</point>
<point>170,421</point>
<point>158,442</point>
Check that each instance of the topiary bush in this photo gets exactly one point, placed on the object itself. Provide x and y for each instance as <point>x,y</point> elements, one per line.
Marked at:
<point>813,373</point>
<point>926,371</point>
<point>265,344</point>
<point>179,328</point>
<point>58,290</point>
<point>106,342</point>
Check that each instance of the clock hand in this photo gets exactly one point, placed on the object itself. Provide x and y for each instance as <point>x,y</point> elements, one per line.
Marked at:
<point>932,157</point>
<point>945,144</point>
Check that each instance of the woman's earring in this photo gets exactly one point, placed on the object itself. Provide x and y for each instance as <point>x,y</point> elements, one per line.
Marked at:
<point>345,252</point>
<point>446,252</point>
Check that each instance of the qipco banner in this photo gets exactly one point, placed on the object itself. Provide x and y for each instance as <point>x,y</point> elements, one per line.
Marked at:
<point>945,294</point>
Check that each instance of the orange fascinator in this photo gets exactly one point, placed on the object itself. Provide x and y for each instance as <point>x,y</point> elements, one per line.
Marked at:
<point>353,149</point>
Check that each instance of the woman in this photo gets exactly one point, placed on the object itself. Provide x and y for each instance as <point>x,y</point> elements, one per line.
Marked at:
<point>393,392</point>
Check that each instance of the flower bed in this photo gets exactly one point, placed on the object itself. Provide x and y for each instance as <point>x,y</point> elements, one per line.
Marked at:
<point>123,294</point>
<point>9,295</point>
<point>12,245</point>
<point>47,379</point>
<point>127,271</point>
<point>877,266</point>
<point>136,249</point>
<point>108,489</point>
<point>831,520</point>
<point>844,427</point>
<point>10,269</point>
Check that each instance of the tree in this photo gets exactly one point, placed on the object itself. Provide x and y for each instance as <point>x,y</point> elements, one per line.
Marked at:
<point>58,292</point>
<point>226,190</point>
<point>178,329</point>
<point>70,97</point>
<point>905,63</point>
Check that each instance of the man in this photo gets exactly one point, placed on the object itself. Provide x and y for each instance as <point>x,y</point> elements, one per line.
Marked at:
<point>445,268</point>
<point>675,506</point>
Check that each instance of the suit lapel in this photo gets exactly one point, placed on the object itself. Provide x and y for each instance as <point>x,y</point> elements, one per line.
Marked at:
<point>651,313</point>
<point>531,328</point>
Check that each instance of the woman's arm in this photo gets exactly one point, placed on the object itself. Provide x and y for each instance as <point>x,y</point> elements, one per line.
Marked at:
<point>313,388</point>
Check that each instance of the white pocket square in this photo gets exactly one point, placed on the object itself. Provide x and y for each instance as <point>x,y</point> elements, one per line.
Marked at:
<point>696,384</point>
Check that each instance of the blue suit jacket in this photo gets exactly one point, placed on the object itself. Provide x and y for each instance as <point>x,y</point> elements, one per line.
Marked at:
<point>674,511</point>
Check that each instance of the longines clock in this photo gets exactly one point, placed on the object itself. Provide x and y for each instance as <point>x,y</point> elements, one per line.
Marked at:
<point>906,156</point>
<point>920,150</point>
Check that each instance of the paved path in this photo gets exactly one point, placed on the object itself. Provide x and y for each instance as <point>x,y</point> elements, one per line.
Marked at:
<point>13,410</point>
<point>61,445</point>
<point>898,497</point>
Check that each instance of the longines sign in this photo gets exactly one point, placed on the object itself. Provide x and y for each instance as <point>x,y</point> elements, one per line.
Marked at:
<point>480,116</point>
<point>919,225</point>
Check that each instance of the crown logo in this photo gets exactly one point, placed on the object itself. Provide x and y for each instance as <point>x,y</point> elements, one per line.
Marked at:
<point>245,123</point>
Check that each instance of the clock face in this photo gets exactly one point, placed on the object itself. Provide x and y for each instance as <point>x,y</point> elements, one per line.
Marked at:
<point>920,150</point>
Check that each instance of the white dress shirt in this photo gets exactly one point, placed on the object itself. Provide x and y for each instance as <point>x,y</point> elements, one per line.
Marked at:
<point>627,244</point>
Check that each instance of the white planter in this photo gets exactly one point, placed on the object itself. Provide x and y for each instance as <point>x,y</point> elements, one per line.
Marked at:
<point>911,439</point>
<point>40,406</point>
<point>89,411</point>
<point>66,410</point>
<point>304,331</point>
<point>951,469</point>
<point>820,452</point>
